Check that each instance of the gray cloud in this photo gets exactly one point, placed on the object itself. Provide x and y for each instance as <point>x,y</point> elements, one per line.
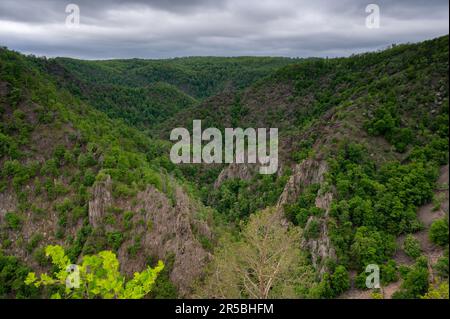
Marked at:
<point>159,29</point>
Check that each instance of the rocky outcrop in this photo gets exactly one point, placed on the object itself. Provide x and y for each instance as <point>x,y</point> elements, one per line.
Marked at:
<point>241,171</point>
<point>164,225</point>
<point>8,203</point>
<point>309,172</point>
<point>320,248</point>
<point>101,200</point>
<point>170,229</point>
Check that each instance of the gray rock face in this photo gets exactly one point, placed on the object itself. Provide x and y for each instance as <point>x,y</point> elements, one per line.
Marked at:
<point>241,171</point>
<point>169,228</point>
<point>101,200</point>
<point>311,172</point>
<point>304,174</point>
<point>174,231</point>
<point>321,248</point>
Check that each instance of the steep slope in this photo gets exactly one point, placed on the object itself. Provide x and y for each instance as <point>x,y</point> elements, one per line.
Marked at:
<point>71,176</point>
<point>369,134</point>
<point>141,106</point>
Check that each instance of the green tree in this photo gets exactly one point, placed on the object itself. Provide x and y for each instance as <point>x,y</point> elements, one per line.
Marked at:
<point>411,246</point>
<point>265,263</point>
<point>415,282</point>
<point>439,232</point>
<point>99,277</point>
<point>340,280</point>
<point>371,247</point>
<point>12,276</point>
<point>437,291</point>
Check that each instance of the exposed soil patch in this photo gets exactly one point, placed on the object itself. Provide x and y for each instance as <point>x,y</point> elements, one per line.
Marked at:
<point>427,215</point>
<point>400,256</point>
<point>389,290</point>
<point>354,292</point>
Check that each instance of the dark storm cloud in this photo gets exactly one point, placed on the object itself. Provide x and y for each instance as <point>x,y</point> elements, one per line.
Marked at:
<point>54,10</point>
<point>157,28</point>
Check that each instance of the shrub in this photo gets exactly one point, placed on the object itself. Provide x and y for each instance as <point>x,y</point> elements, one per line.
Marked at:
<point>441,266</point>
<point>340,280</point>
<point>415,283</point>
<point>114,239</point>
<point>89,178</point>
<point>127,217</point>
<point>13,221</point>
<point>34,242</point>
<point>411,246</point>
<point>388,272</point>
<point>39,256</point>
<point>439,232</point>
<point>12,277</point>
<point>371,247</point>
<point>164,288</point>
<point>313,229</point>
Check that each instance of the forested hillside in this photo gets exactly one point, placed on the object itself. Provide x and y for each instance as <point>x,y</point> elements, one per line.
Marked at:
<point>363,175</point>
<point>146,92</point>
<point>73,177</point>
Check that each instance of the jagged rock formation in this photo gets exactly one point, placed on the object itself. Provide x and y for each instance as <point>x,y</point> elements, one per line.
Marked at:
<point>241,171</point>
<point>169,228</point>
<point>308,172</point>
<point>321,248</point>
<point>175,232</point>
<point>101,200</point>
<point>311,171</point>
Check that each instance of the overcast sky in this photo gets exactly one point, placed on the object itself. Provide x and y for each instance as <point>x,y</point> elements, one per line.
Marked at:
<point>163,29</point>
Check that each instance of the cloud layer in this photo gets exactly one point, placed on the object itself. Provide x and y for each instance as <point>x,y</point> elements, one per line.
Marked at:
<point>162,29</point>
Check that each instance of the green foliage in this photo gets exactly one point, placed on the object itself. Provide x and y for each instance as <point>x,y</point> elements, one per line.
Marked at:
<point>340,280</point>
<point>12,276</point>
<point>299,212</point>
<point>438,291</point>
<point>415,281</point>
<point>312,231</point>
<point>386,122</point>
<point>375,197</point>
<point>114,239</point>
<point>441,266</point>
<point>371,247</point>
<point>324,289</point>
<point>377,201</point>
<point>127,219</point>
<point>439,232</point>
<point>34,242</point>
<point>13,220</point>
<point>8,146</point>
<point>164,288</point>
<point>236,199</point>
<point>200,77</point>
<point>19,173</point>
<point>135,247</point>
<point>388,272</point>
<point>411,246</point>
<point>99,277</point>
